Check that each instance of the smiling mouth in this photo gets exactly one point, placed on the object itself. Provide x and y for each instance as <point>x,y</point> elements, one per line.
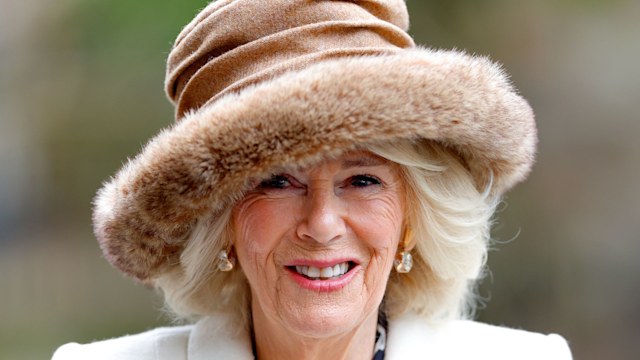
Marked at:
<point>325,273</point>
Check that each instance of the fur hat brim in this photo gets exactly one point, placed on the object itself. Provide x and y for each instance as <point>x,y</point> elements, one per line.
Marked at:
<point>202,164</point>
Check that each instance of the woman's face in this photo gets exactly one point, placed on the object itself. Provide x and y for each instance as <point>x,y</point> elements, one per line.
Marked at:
<point>317,244</point>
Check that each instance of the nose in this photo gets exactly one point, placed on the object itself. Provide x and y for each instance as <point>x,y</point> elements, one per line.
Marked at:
<point>323,216</point>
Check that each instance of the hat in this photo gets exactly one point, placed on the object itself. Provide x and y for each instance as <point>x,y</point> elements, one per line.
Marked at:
<point>262,84</point>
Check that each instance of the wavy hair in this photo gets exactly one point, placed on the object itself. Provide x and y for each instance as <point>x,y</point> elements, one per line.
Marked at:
<point>449,217</point>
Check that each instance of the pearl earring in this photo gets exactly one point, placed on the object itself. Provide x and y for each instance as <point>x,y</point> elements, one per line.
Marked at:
<point>225,263</point>
<point>404,261</point>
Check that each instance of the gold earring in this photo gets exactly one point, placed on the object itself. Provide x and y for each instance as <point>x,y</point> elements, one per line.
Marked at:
<point>404,261</point>
<point>225,263</point>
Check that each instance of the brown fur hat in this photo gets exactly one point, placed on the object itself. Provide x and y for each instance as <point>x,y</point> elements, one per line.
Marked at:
<point>261,84</point>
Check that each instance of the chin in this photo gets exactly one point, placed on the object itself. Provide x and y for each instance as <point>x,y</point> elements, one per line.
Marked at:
<point>324,322</point>
<point>326,314</point>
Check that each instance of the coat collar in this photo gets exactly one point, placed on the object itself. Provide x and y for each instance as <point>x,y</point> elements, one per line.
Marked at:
<point>409,337</point>
<point>220,337</point>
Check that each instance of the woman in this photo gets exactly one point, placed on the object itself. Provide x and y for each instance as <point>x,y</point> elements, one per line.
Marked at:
<point>326,192</point>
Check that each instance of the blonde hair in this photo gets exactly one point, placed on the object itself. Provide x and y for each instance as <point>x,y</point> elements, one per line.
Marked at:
<point>449,218</point>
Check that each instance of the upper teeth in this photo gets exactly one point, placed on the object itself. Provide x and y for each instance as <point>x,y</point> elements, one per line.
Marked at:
<point>323,273</point>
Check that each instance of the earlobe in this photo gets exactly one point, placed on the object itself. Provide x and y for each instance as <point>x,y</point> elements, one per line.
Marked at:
<point>408,241</point>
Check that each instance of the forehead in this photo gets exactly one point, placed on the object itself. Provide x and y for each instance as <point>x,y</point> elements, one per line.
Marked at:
<point>346,160</point>
<point>361,159</point>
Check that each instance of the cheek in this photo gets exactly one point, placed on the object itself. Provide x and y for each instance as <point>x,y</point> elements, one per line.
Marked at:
<point>378,223</point>
<point>259,228</point>
<point>258,224</point>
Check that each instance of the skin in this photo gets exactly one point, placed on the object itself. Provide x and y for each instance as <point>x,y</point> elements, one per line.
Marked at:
<point>350,207</point>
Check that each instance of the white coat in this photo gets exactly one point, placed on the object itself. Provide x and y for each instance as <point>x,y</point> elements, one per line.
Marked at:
<point>409,337</point>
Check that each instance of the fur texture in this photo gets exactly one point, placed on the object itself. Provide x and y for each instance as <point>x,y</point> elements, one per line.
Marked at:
<point>205,161</point>
<point>335,84</point>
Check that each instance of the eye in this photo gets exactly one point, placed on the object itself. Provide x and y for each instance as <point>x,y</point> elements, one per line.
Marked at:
<point>276,181</point>
<point>364,181</point>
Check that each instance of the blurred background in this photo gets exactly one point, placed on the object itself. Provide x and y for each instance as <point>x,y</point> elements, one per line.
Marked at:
<point>81,89</point>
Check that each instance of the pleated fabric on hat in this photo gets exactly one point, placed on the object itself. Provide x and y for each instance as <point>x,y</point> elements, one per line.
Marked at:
<point>233,44</point>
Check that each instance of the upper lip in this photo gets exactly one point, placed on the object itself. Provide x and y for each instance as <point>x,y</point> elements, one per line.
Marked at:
<point>320,263</point>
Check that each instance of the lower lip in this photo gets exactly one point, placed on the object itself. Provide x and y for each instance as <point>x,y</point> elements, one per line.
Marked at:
<point>328,285</point>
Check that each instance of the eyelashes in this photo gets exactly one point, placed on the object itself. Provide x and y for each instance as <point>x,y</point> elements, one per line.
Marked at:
<point>284,181</point>
<point>364,180</point>
<point>275,182</point>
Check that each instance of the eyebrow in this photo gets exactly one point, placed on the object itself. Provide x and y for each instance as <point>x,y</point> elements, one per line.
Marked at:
<point>363,161</point>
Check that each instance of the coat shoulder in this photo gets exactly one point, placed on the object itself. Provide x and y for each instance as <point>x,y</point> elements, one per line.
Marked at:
<point>166,342</point>
<point>412,337</point>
